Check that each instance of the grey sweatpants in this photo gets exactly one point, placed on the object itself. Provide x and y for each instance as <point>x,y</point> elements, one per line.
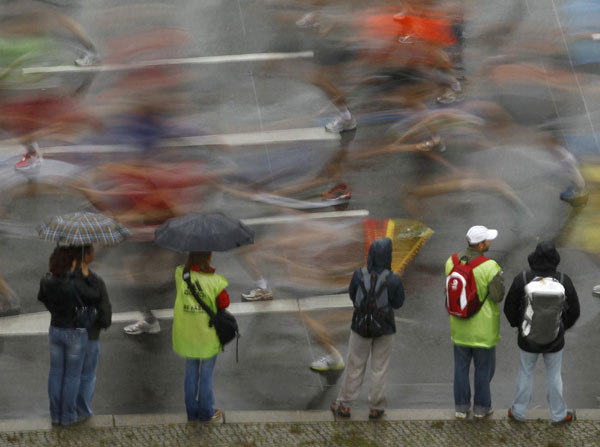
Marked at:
<point>359,348</point>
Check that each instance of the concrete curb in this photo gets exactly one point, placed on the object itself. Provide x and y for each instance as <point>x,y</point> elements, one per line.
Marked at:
<point>274,417</point>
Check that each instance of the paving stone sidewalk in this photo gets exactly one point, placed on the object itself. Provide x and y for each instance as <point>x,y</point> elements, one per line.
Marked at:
<point>438,433</point>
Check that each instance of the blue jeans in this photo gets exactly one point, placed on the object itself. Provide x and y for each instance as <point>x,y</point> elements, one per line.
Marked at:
<point>553,362</point>
<point>67,347</point>
<point>88,378</point>
<point>198,388</point>
<point>485,366</point>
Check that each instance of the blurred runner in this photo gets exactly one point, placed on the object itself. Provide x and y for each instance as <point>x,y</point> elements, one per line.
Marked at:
<point>35,105</point>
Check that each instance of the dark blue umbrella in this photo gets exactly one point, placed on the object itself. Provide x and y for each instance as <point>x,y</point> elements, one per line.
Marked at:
<point>203,232</point>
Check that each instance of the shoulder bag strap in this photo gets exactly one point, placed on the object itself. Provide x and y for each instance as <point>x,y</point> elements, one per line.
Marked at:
<point>76,293</point>
<point>188,279</point>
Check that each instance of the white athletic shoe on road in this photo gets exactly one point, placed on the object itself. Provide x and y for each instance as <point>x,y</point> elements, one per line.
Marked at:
<point>328,363</point>
<point>141,327</point>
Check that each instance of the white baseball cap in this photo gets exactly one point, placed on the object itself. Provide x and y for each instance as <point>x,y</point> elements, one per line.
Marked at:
<point>479,233</point>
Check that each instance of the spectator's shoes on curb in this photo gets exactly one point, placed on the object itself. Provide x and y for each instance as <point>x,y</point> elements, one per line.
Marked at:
<point>570,417</point>
<point>30,162</point>
<point>338,192</point>
<point>338,410</point>
<point>512,417</point>
<point>141,327</point>
<point>328,363</point>
<point>485,415</point>
<point>461,415</point>
<point>575,196</point>
<point>340,124</point>
<point>217,415</point>
<point>375,414</point>
<point>258,294</point>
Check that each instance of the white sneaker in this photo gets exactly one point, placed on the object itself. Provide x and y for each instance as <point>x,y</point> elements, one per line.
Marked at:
<point>461,415</point>
<point>327,363</point>
<point>258,294</point>
<point>308,20</point>
<point>483,415</point>
<point>87,59</point>
<point>142,326</point>
<point>340,125</point>
<point>450,97</point>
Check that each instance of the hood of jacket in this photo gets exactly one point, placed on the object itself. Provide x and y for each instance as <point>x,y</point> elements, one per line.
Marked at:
<point>544,259</point>
<point>380,255</point>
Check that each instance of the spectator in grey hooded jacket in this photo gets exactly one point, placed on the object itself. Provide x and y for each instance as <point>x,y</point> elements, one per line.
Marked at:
<point>543,262</point>
<point>377,343</point>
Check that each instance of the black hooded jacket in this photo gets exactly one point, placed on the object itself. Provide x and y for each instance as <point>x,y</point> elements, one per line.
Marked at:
<point>380,259</point>
<point>543,262</point>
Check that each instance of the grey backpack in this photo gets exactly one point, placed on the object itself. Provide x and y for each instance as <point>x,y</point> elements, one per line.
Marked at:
<point>544,301</point>
<point>373,315</point>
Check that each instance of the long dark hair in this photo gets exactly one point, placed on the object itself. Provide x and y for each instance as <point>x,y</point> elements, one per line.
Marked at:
<point>61,260</point>
<point>200,259</point>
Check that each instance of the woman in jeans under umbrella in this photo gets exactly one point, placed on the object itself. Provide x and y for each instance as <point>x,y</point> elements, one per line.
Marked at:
<point>193,338</point>
<point>58,289</point>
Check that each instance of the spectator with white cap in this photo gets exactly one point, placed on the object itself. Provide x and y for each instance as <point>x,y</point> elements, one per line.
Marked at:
<point>475,337</point>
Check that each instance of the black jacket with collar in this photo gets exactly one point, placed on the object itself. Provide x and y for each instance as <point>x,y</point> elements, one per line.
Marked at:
<point>543,262</point>
<point>57,294</point>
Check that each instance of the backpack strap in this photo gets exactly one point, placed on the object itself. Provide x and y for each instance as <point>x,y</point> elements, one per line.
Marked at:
<point>188,279</point>
<point>476,262</point>
<point>455,259</point>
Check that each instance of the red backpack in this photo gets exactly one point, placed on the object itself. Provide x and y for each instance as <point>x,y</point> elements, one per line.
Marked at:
<point>461,290</point>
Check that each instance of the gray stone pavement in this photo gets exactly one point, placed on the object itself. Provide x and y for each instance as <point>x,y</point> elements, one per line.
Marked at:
<point>431,428</point>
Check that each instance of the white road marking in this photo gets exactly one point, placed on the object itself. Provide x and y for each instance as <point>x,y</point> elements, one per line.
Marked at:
<point>203,60</point>
<point>38,323</point>
<point>233,139</point>
<point>302,217</point>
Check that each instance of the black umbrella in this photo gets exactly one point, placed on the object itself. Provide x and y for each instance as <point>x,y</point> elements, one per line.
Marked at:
<point>203,232</point>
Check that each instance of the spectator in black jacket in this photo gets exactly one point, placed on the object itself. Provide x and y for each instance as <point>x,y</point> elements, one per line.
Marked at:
<point>85,256</point>
<point>58,291</point>
<point>367,340</point>
<point>543,262</point>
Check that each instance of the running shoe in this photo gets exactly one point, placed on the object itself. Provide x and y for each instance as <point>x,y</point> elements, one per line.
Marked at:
<point>339,191</point>
<point>575,196</point>
<point>308,20</point>
<point>141,327</point>
<point>461,415</point>
<point>258,294</point>
<point>29,162</point>
<point>450,97</point>
<point>327,363</point>
<point>87,59</point>
<point>340,124</point>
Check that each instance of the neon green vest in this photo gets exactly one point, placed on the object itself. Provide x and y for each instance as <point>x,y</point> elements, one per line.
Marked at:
<point>192,337</point>
<point>482,330</point>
